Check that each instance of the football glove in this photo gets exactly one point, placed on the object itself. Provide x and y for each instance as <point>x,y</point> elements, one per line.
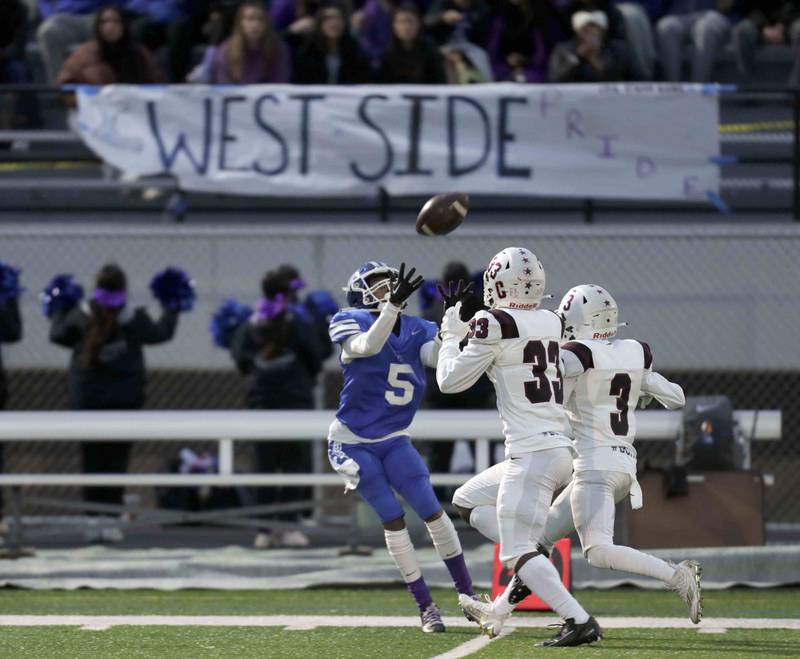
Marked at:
<point>455,292</point>
<point>404,285</point>
<point>452,325</point>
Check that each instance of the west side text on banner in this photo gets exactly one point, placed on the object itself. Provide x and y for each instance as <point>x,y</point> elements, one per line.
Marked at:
<point>588,141</point>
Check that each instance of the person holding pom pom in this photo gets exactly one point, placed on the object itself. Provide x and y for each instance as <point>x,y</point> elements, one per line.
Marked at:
<point>10,331</point>
<point>107,367</point>
<point>281,353</point>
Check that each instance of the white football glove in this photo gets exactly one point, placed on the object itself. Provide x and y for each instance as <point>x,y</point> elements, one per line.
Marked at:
<point>452,325</point>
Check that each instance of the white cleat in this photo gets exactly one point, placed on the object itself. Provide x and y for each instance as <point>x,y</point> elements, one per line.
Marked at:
<point>480,611</point>
<point>686,583</point>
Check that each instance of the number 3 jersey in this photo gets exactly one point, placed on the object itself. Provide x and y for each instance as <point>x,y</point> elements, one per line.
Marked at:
<point>604,382</point>
<point>382,392</point>
<point>519,351</point>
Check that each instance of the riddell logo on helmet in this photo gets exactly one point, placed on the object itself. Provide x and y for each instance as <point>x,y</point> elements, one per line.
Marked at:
<point>603,335</point>
<point>517,305</point>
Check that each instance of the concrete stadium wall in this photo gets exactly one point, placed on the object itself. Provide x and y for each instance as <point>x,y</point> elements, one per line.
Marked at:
<point>710,297</point>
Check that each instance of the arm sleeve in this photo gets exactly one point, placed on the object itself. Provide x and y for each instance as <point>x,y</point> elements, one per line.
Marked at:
<point>66,328</point>
<point>143,329</point>
<point>365,344</point>
<point>571,366</point>
<point>429,352</point>
<point>669,394</point>
<point>243,347</point>
<point>458,371</point>
<point>10,322</point>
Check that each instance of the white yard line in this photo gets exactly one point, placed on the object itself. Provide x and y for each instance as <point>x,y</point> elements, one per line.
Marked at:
<point>470,647</point>
<point>312,622</point>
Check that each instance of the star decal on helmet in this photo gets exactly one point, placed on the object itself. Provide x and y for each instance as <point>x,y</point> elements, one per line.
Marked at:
<point>528,271</point>
<point>525,259</point>
<point>569,328</point>
<point>607,303</point>
<point>528,286</point>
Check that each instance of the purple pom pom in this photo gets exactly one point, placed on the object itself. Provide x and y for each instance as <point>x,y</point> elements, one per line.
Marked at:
<point>174,289</point>
<point>60,295</point>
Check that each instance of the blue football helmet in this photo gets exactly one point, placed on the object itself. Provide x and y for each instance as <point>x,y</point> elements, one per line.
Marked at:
<point>359,294</point>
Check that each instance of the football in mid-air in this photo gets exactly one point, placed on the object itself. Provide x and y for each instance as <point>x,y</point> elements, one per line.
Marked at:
<point>443,213</point>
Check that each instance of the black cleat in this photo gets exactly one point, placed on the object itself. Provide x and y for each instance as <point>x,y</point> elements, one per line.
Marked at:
<point>571,634</point>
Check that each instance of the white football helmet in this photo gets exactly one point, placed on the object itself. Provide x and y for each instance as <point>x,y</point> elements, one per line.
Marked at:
<point>589,312</point>
<point>513,279</point>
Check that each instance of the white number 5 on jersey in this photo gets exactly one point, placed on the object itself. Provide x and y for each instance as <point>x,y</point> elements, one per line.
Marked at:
<point>406,387</point>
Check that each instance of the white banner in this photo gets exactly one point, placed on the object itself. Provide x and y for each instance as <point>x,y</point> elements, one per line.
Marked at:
<point>644,141</point>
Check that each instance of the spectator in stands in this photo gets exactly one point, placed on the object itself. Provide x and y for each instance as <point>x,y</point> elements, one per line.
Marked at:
<point>412,58</point>
<point>18,110</point>
<point>706,23</point>
<point>766,22</point>
<point>521,38</point>
<point>66,23</point>
<point>466,64</point>
<point>202,22</point>
<point>254,53</point>
<point>639,17</point>
<point>10,332</point>
<point>372,27</point>
<point>151,20</point>
<point>111,57</point>
<point>298,18</point>
<point>458,20</point>
<point>107,368</point>
<point>616,39</point>
<point>282,355</point>
<point>329,55</point>
<point>589,57</point>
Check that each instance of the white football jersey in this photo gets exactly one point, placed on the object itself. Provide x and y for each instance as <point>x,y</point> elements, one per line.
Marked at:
<point>519,351</point>
<point>605,380</point>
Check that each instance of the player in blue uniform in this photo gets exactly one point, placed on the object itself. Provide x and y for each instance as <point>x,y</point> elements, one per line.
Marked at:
<point>383,358</point>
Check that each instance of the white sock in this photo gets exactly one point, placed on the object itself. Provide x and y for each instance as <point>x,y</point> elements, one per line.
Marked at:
<point>444,537</point>
<point>542,578</point>
<point>501,606</point>
<point>627,559</point>
<point>484,519</point>
<point>402,551</point>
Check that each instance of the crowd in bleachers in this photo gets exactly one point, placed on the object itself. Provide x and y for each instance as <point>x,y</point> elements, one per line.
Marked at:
<point>388,41</point>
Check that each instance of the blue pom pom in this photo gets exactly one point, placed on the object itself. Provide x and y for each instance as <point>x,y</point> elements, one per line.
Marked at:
<point>322,304</point>
<point>227,318</point>
<point>60,295</point>
<point>174,289</point>
<point>9,283</point>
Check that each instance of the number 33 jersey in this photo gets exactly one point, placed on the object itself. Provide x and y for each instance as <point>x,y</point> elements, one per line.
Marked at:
<point>382,392</point>
<point>519,351</point>
<point>604,382</point>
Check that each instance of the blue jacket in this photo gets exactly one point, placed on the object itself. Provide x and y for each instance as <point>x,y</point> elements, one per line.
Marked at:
<point>49,7</point>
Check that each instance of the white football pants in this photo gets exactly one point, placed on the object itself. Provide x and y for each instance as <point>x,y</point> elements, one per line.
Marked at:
<point>522,490</point>
<point>587,505</point>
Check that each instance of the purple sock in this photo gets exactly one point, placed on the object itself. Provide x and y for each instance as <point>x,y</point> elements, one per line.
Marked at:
<point>460,574</point>
<point>419,590</point>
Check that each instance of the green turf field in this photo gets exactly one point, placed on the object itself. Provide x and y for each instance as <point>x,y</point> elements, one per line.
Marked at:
<point>159,640</point>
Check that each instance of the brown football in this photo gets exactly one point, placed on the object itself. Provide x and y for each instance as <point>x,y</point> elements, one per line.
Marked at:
<point>443,213</point>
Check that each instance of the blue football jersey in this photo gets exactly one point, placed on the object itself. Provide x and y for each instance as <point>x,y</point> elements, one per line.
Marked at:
<point>382,393</point>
